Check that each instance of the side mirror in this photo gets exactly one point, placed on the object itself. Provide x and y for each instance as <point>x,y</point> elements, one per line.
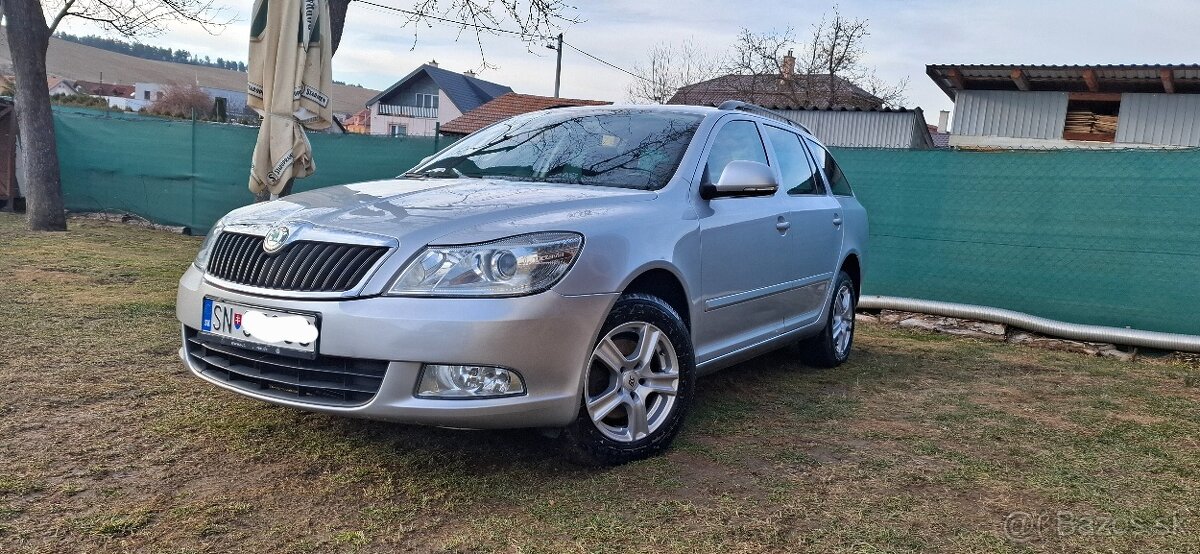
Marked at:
<point>742,178</point>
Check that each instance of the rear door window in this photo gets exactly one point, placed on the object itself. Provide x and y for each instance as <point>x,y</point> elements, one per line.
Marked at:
<point>838,183</point>
<point>737,140</point>
<point>799,174</point>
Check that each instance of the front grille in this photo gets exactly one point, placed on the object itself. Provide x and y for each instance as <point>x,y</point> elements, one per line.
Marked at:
<point>328,380</point>
<point>304,266</point>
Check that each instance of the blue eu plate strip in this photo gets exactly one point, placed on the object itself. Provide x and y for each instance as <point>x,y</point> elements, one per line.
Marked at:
<point>206,323</point>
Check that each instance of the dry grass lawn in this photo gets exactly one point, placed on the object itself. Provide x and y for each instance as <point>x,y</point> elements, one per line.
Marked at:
<point>922,443</point>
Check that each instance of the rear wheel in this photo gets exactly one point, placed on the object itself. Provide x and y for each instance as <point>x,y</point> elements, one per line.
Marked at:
<point>638,385</point>
<point>831,348</point>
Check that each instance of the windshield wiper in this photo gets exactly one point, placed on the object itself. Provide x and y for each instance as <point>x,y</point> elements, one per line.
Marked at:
<point>438,173</point>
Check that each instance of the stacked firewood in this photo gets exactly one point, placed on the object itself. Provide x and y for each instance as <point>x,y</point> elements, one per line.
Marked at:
<point>1086,122</point>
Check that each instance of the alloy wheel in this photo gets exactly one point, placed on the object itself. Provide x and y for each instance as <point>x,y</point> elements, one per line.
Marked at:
<point>632,382</point>
<point>843,320</point>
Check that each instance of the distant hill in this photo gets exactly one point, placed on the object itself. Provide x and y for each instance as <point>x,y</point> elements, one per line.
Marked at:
<point>151,52</point>
<point>76,61</point>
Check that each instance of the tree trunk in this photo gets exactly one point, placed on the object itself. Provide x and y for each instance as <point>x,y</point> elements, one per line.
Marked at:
<point>28,38</point>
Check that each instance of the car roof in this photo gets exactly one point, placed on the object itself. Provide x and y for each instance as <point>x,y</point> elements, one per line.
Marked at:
<point>702,111</point>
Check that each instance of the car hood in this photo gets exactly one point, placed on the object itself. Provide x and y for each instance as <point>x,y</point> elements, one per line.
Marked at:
<point>420,211</point>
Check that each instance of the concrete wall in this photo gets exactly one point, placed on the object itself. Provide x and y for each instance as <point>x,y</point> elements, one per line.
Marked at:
<point>235,100</point>
<point>121,103</point>
<point>147,91</point>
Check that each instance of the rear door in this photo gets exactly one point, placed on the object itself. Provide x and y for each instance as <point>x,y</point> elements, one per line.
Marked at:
<point>742,246</point>
<point>815,238</point>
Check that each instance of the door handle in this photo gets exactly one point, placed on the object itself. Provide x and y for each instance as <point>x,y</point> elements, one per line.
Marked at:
<point>782,225</point>
<point>837,219</point>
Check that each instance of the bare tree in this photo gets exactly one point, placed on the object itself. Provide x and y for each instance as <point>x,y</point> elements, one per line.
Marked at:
<point>893,95</point>
<point>827,70</point>
<point>668,68</point>
<point>28,38</point>
<point>182,101</point>
<point>532,20</point>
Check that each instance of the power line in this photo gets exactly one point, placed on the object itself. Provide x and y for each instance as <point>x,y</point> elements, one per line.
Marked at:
<point>476,26</point>
<point>609,64</point>
<point>440,19</point>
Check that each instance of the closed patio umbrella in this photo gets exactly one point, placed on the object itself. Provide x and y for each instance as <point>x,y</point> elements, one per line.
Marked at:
<point>288,83</point>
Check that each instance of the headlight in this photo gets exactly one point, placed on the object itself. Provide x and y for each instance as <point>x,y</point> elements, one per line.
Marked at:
<point>523,264</point>
<point>201,261</point>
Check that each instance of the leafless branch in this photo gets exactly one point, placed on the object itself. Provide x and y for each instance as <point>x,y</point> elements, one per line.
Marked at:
<point>530,20</point>
<point>668,67</point>
<point>142,17</point>
<point>826,71</point>
<point>64,12</point>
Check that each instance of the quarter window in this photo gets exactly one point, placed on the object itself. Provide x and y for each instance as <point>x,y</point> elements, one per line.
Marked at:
<point>737,140</point>
<point>799,175</point>
<point>838,183</point>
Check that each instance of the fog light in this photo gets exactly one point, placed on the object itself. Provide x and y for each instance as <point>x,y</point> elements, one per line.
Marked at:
<point>468,381</point>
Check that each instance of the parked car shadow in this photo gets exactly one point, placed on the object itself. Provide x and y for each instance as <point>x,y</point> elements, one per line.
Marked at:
<point>486,452</point>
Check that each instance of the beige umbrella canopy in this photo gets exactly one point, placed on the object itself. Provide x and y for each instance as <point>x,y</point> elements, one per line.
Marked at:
<point>289,80</point>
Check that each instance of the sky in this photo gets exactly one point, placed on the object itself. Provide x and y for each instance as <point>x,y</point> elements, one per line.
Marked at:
<point>377,49</point>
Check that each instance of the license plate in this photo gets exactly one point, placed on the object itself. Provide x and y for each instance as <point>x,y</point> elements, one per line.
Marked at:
<point>261,329</point>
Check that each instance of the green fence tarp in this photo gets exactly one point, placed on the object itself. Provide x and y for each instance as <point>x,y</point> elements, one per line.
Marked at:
<point>190,174</point>
<point>1099,237</point>
<point>1086,236</point>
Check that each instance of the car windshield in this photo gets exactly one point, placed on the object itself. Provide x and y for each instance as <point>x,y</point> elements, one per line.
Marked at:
<point>629,148</point>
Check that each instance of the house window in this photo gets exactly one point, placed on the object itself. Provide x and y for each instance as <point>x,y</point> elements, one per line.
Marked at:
<point>397,130</point>
<point>145,95</point>
<point>159,95</point>
<point>427,101</point>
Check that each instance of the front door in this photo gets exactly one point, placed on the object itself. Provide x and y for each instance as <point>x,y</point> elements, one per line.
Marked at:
<point>742,261</point>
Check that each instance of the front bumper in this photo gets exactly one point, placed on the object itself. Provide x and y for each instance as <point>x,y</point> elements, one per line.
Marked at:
<point>546,337</point>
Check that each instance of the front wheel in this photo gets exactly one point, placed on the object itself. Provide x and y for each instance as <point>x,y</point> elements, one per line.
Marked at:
<point>831,348</point>
<point>637,385</point>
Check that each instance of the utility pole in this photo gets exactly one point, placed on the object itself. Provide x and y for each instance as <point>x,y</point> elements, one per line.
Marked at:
<point>558,68</point>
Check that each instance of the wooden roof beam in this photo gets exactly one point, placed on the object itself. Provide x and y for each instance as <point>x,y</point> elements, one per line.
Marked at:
<point>1168,80</point>
<point>956,78</point>
<point>1089,77</point>
<point>1018,77</point>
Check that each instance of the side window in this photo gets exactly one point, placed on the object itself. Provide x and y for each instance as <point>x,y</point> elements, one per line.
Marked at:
<point>799,175</point>
<point>737,140</point>
<point>837,180</point>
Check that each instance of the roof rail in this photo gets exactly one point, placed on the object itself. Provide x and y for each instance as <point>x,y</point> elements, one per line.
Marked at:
<point>759,110</point>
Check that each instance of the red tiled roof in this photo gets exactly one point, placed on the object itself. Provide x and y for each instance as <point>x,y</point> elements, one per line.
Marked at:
<point>506,106</point>
<point>105,89</point>
<point>361,117</point>
<point>773,92</point>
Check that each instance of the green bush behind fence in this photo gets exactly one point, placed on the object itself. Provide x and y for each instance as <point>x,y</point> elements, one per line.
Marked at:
<point>1100,237</point>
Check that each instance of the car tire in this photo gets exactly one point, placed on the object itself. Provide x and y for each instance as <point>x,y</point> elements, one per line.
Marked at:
<point>832,347</point>
<point>638,385</point>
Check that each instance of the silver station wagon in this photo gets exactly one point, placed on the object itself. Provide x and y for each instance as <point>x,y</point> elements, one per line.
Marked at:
<point>573,270</point>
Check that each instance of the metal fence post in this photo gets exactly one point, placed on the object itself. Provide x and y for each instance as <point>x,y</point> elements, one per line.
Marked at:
<point>192,174</point>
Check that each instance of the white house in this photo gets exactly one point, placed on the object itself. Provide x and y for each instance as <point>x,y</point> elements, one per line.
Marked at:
<point>235,100</point>
<point>429,96</point>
